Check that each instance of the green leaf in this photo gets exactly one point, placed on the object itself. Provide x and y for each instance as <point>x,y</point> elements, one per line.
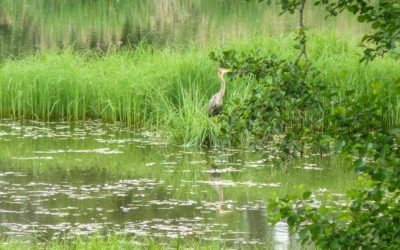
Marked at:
<point>362,18</point>
<point>352,8</point>
<point>376,25</point>
<point>306,195</point>
<point>334,244</point>
<point>291,220</point>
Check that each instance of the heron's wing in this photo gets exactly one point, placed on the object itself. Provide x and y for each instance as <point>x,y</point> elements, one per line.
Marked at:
<point>211,102</point>
<point>214,105</point>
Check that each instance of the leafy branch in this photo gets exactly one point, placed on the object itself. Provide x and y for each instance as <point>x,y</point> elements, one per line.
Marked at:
<point>382,15</point>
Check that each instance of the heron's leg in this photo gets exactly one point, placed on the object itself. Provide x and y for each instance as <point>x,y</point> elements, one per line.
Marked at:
<point>216,119</point>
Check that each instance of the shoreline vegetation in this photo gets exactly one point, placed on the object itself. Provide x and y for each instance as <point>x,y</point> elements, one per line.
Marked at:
<point>114,241</point>
<point>168,89</point>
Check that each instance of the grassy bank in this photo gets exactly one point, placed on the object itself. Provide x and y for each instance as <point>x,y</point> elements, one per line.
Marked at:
<point>122,242</point>
<point>114,242</point>
<point>165,89</point>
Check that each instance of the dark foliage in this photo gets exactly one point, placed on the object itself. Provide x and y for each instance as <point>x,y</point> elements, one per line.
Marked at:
<point>289,100</point>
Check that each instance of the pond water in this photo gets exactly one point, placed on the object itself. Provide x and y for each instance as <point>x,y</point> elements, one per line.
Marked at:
<point>34,25</point>
<point>60,180</point>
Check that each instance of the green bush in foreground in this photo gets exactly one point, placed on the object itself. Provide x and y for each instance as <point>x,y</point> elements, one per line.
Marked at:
<point>370,217</point>
<point>355,124</point>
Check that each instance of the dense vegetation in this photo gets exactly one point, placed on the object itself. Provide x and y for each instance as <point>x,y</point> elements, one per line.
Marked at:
<point>291,101</point>
<point>117,242</point>
<point>167,90</point>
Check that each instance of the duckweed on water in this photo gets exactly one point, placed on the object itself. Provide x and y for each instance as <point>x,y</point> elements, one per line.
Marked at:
<point>59,182</point>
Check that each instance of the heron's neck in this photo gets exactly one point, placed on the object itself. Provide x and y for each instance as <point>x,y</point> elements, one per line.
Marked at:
<point>222,89</point>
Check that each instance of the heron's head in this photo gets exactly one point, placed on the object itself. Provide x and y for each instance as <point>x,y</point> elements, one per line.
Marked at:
<point>222,71</point>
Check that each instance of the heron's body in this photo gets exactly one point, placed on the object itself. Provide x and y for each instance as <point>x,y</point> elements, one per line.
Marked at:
<point>215,105</point>
<point>216,102</point>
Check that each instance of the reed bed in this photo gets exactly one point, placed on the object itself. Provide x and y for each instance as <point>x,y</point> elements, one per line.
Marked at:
<point>167,89</point>
<point>121,242</point>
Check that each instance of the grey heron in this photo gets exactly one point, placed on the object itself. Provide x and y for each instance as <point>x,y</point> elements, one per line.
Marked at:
<point>216,102</point>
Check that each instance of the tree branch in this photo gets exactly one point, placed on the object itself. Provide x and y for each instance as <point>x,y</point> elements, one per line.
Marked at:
<point>302,38</point>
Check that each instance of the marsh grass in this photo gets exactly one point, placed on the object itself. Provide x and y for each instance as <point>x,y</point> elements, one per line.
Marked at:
<point>114,241</point>
<point>167,89</point>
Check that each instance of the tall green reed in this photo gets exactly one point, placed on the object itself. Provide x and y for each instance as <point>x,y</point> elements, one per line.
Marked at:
<point>167,89</point>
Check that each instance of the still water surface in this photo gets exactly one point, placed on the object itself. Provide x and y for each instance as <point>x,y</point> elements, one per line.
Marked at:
<point>60,181</point>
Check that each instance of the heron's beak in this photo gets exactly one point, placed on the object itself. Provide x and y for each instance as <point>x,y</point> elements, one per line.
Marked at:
<point>224,70</point>
<point>231,73</point>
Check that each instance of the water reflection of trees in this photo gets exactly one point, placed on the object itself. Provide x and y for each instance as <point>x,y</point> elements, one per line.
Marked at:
<point>253,219</point>
<point>99,24</point>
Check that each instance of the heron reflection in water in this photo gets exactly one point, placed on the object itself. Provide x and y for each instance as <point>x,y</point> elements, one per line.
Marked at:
<point>216,182</point>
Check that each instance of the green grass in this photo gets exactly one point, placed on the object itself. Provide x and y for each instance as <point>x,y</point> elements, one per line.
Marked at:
<point>165,89</point>
<point>114,242</point>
